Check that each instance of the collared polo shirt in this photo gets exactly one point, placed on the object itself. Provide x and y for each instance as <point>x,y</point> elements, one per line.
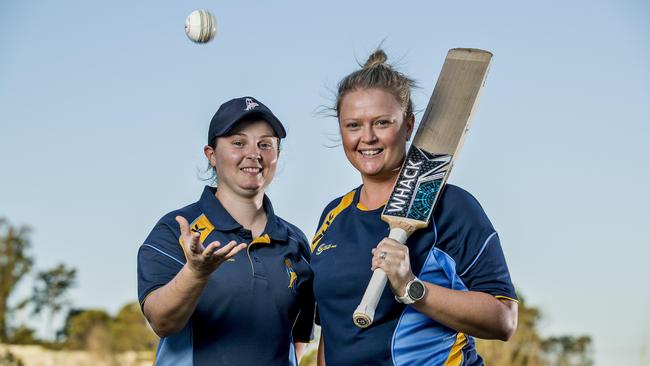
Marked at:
<point>458,250</point>
<point>254,305</point>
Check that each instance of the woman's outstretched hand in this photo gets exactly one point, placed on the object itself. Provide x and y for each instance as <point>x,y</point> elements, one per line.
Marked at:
<point>202,261</point>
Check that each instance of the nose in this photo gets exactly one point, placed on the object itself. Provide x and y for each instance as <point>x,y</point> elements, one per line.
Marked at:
<point>368,135</point>
<point>253,152</point>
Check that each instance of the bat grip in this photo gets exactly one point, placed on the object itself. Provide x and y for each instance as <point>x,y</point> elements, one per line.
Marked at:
<point>365,312</point>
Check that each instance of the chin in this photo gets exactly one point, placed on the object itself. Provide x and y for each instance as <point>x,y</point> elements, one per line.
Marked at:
<point>250,192</point>
<point>370,170</point>
<point>252,187</point>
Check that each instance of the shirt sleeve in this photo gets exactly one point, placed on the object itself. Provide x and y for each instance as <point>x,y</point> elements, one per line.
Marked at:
<point>160,258</point>
<point>303,329</point>
<point>467,235</point>
<point>488,272</point>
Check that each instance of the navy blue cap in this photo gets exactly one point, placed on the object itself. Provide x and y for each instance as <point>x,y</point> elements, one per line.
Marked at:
<point>235,110</point>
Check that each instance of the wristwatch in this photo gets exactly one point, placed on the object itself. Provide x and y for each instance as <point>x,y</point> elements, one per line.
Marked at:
<point>415,291</point>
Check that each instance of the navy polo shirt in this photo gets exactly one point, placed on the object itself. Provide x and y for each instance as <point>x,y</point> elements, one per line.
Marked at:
<point>254,305</point>
<point>458,250</point>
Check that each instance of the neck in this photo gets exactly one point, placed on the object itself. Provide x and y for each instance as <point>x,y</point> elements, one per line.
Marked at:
<point>376,190</point>
<point>247,211</point>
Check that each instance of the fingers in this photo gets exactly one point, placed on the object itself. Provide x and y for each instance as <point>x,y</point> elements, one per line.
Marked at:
<point>210,249</point>
<point>390,243</point>
<point>388,253</point>
<point>393,258</point>
<point>185,226</point>
<point>235,250</point>
<point>189,239</point>
<point>195,245</point>
<point>225,253</point>
<point>229,249</point>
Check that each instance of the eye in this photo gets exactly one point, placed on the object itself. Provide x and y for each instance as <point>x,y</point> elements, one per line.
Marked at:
<point>265,145</point>
<point>237,143</point>
<point>352,125</point>
<point>382,123</point>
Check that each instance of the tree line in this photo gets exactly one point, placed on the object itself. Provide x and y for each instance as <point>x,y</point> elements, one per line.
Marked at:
<point>83,329</point>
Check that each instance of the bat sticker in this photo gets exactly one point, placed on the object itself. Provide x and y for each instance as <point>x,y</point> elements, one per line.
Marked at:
<point>418,185</point>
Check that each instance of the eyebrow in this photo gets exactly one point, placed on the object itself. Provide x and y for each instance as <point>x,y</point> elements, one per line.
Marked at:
<point>245,135</point>
<point>374,118</point>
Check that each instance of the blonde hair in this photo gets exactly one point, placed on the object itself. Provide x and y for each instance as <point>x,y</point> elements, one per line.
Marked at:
<point>376,73</point>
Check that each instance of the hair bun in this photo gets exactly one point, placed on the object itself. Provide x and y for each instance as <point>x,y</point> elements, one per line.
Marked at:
<point>376,59</point>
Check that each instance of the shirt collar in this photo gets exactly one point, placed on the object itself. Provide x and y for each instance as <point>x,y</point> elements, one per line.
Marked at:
<point>276,229</point>
<point>222,221</point>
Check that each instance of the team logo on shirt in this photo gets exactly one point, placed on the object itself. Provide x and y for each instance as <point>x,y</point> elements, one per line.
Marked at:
<point>203,226</point>
<point>323,247</point>
<point>293,277</point>
<point>198,229</point>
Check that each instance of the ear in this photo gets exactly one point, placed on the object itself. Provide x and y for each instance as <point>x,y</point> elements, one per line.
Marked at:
<point>410,123</point>
<point>210,154</point>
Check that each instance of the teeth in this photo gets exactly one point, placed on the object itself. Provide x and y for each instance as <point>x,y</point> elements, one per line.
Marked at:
<point>251,170</point>
<point>370,152</point>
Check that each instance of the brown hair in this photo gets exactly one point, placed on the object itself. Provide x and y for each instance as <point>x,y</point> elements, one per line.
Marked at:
<point>377,74</point>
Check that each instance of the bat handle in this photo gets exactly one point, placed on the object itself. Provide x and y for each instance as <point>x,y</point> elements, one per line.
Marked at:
<point>365,312</point>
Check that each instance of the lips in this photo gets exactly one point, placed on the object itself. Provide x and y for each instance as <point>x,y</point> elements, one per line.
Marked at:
<point>370,152</point>
<point>251,170</point>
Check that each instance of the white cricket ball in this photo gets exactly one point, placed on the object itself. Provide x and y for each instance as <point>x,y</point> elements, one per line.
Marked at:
<point>200,26</point>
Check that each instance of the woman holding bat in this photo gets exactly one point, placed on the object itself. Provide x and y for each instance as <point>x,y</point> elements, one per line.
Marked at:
<point>224,281</point>
<point>450,281</point>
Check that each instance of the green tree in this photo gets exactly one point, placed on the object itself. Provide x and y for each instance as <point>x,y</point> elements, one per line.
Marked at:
<point>528,348</point>
<point>523,349</point>
<point>23,335</point>
<point>81,324</point>
<point>568,350</point>
<point>50,290</point>
<point>15,262</point>
<point>131,332</point>
<point>95,330</point>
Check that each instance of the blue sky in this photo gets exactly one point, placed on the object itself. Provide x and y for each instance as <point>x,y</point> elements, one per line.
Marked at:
<point>104,109</point>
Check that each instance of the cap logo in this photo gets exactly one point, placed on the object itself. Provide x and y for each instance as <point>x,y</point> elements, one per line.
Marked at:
<point>250,104</point>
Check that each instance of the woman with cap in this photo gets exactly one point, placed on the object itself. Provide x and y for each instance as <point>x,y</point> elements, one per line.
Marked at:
<point>224,281</point>
<point>449,283</point>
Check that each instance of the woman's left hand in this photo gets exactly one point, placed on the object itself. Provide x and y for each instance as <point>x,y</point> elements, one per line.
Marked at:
<point>393,258</point>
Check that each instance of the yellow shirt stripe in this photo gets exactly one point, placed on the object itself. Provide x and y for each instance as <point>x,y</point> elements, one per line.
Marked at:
<point>455,357</point>
<point>507,298</point>
<point>345,202</point>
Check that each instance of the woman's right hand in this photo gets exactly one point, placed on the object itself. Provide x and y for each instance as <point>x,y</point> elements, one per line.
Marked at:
<point>202,261</point>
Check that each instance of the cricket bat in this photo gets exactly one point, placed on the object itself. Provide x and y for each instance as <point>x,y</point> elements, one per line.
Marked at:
<point>430,158</point>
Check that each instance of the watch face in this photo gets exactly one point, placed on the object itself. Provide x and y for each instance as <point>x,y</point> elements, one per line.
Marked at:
<point>416,290</point>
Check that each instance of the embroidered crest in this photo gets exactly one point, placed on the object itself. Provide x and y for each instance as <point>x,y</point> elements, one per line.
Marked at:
<point>251,104</point>
<point>293,277</point>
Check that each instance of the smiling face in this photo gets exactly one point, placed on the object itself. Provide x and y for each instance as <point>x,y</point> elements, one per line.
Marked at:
<point>374,132</point>
<point>245,161</point>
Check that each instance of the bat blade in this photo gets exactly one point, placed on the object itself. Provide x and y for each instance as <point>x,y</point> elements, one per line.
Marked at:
<point>430,158</point>
<point>439,137</point>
